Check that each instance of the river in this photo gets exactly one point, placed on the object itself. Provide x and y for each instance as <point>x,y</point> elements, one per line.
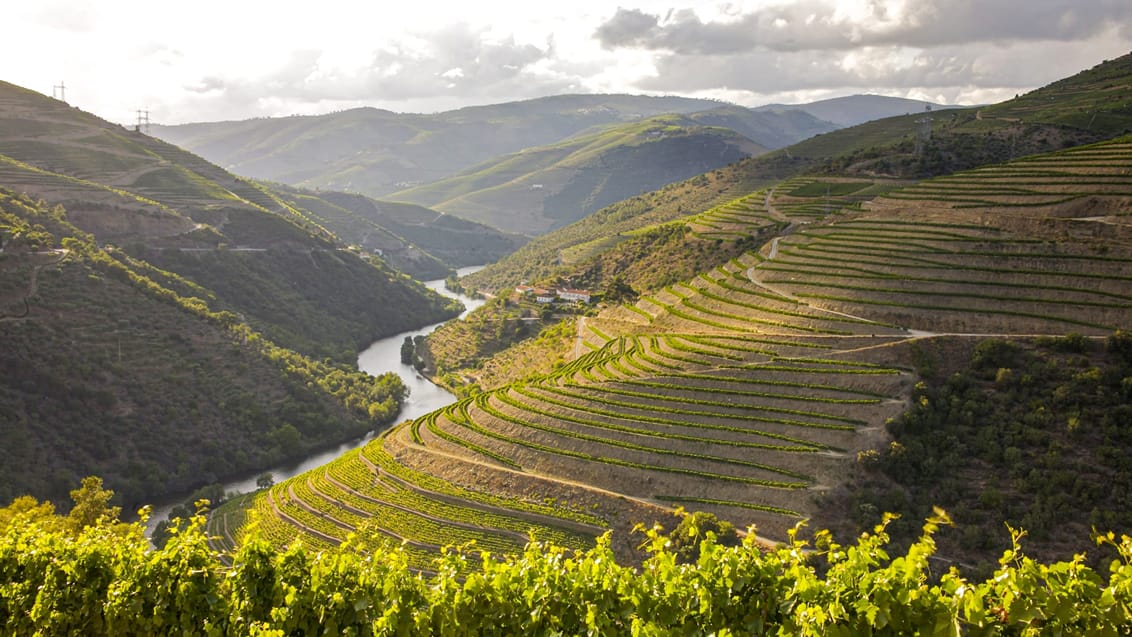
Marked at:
<point>380,357</point>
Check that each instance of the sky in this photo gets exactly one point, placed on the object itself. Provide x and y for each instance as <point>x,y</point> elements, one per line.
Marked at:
<point>209,60</point>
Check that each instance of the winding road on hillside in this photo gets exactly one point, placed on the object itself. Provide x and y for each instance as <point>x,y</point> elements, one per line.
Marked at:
<point>579,340</point>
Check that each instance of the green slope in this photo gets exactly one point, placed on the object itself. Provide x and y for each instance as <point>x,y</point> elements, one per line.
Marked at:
<point>267,260</point>
<point>421,242</point>
<point>372,151</point>
<point>113,367</point>
<point>960,139</point>
<point>546,187</point>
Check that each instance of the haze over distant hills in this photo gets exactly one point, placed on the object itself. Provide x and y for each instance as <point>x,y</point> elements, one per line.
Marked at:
<point>857,109</point>
<point>465,162</point>
<point>546,187</point>
<point>375,152</point>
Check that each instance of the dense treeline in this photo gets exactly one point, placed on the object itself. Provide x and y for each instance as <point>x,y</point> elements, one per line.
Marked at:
<point>112,366</point>
<point>1037,435</point>
<point>77,575</point>
<point>326,306</point>
<point>661,256</point>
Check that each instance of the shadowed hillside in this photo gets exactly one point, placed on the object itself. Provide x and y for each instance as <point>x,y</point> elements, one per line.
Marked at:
<point>261,257</point>
<point>546,187</point>
<point>111,366</point>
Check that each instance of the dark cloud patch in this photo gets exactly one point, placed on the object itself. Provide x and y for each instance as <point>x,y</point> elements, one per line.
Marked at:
<point>629,28</point>
<point>952,71</point>
<point>767,72</point>
<point>816,25</point>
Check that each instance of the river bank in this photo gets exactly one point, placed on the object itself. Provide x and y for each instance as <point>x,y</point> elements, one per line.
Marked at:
<point>381,356</point>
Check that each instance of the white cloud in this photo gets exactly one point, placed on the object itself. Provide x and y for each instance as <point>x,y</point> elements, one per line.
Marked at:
<point>214,59</point>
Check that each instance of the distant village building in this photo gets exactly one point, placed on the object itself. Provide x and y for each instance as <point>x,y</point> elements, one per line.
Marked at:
<point>544,295</point>
<point>570,294</point>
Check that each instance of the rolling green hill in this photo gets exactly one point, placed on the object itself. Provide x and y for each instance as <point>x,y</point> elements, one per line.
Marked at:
<point>154,308</point>
<point>259,256</point>
<point>542,188</point>
<point>377,152</point>
<point>111,366</point>
<point>852,110</point>
<point>421,242</point>
<point>371,151</point>
<point>960,139</point>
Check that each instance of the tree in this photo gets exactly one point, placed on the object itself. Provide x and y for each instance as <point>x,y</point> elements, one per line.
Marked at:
<point>25,509</point>
<point>693,529</point>
<point>618,290</point>
<point>265,480</point>
<point>92,505</point>
<point>407,351</point>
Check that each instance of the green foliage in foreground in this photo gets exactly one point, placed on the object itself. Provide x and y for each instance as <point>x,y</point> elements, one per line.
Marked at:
<point>102,580</point>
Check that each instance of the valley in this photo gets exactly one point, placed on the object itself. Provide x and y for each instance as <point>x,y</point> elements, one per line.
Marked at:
<point>669,367</point>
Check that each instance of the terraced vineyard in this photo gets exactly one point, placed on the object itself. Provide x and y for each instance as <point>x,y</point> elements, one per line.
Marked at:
<point>738,218</point>
<point>748,390</point>
<point>1085,181</point>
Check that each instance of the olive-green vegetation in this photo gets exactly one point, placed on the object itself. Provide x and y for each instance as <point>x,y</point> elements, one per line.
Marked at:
<point>751,388</point>
<point>111,366</point>
<point>458,346</point>
<point>960,139</point>
<point>421,242</point>
<point>379,152</point>
<point>645,262</point>
<point>260,257</point>
<point>57,577</point>
<point>376,152</point>
<point>331,304</point>
<point>1034,434</point>
<point>543,188</point>
<point>1090,106</point>
<point>546,257</point>
<point>660,256</point>
<point>497,344</point>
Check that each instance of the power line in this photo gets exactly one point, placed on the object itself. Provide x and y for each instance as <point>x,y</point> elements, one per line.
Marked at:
<point>62,96</point>
<point>143,119</point>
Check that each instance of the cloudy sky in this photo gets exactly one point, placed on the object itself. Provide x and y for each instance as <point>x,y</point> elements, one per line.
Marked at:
<point>234,59</point>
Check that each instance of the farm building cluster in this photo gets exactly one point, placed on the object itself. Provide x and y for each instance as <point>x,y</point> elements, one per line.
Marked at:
<point>552,295</point>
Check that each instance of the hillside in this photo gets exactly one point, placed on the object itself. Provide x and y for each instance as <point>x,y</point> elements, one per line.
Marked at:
<point>418,241</point>
<point>959,139</point>
<point>857,109</point>
<point>113,367</point>
<point>257,256</point>
<point>772,128</point>
<point>377,152</point>
<point>751,390</point>
<point>542,188</point>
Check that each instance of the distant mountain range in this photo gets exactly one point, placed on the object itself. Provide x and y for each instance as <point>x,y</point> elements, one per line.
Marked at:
<point>858,109</point>
<point>376,152</point>
<point>546,187</point>
<point>527,166</point>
